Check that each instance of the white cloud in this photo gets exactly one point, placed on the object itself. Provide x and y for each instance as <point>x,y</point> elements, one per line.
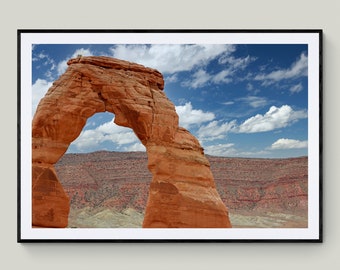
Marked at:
<point>214,130</point>
<point>252,154</point>
<point>107,132</point>
<point>220,150</point>
<point>284,143</point>
<point>171,79</point>
<point>199,79</point>
<point>229,150</point>
<point>254,101</point>
<point>222,77</point>
<point>297,69</point>
<point>171,58</point>
<point>273,119</point>
<point>45,60</point>
<point>39,89</point>
<point>189,116</point>
<point>237,63</point>
<point>39,56</point>
<point>228,103</point>
<point>62,65</point>
<point>134,147</point>
<point>296,88</point>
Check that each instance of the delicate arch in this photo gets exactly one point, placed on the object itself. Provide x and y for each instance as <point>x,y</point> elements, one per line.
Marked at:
<point>182,192</point>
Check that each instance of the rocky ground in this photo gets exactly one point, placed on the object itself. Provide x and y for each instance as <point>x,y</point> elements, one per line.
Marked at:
<point>110,189</point>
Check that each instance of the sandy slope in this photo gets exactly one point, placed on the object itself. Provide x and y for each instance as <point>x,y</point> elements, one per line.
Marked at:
<point>130,218</point>
<point>105,218</point>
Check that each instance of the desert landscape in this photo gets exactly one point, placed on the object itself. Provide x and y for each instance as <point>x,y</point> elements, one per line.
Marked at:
<point>110,189</point>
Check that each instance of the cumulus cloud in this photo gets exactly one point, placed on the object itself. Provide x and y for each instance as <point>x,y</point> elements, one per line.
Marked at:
<point>39,89</point>
<point>214,130</point>
<point>171,58</point>
<point>229,150</point>
<point>275,118</point>
<point>220,150</point>
<point>107,132</point>
<point>296,70</point>
<point>210,129</point>
<point>284,143</point>
<point>189,116</point>
<point>62,65</point>
<point>134,148</point>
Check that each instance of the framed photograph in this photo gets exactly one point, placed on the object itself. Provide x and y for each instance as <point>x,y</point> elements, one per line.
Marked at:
<point>169,135</point>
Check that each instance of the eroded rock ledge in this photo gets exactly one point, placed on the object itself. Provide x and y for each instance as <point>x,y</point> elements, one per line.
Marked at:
<point>182,193</point>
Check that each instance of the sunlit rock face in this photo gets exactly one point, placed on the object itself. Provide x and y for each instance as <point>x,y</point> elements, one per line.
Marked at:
<point>182,193</point>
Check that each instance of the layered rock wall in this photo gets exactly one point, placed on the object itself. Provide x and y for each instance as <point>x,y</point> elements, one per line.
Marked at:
<point>182,192</point>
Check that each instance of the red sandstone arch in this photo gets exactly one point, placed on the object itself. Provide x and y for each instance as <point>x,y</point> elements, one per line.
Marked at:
<point>182,193</point>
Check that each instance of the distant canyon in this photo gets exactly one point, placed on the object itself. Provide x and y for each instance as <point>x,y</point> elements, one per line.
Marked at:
<point>110,189</point>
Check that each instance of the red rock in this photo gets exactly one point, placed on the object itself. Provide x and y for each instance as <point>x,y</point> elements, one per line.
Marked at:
<point>254,187</point>
<point>262,184</point>
<point>182,192</point>
<point>49,201</point>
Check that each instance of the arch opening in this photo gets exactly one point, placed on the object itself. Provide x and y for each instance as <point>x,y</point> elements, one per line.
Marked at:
<point>104,173</point>
<point>101,133</point>
<point>182,192</point>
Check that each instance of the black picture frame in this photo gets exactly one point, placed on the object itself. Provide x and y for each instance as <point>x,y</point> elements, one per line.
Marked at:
<point>312,234</point>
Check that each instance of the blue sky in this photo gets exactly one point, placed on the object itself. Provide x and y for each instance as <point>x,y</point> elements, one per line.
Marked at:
<point>239,100</point>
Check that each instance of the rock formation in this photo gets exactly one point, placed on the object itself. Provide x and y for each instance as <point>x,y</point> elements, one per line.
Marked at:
<point>270,193</point>
<point>262,185</point>
<point>182,193</point>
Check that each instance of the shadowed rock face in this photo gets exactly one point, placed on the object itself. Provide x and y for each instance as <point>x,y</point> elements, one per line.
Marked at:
<point>182,193</point>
